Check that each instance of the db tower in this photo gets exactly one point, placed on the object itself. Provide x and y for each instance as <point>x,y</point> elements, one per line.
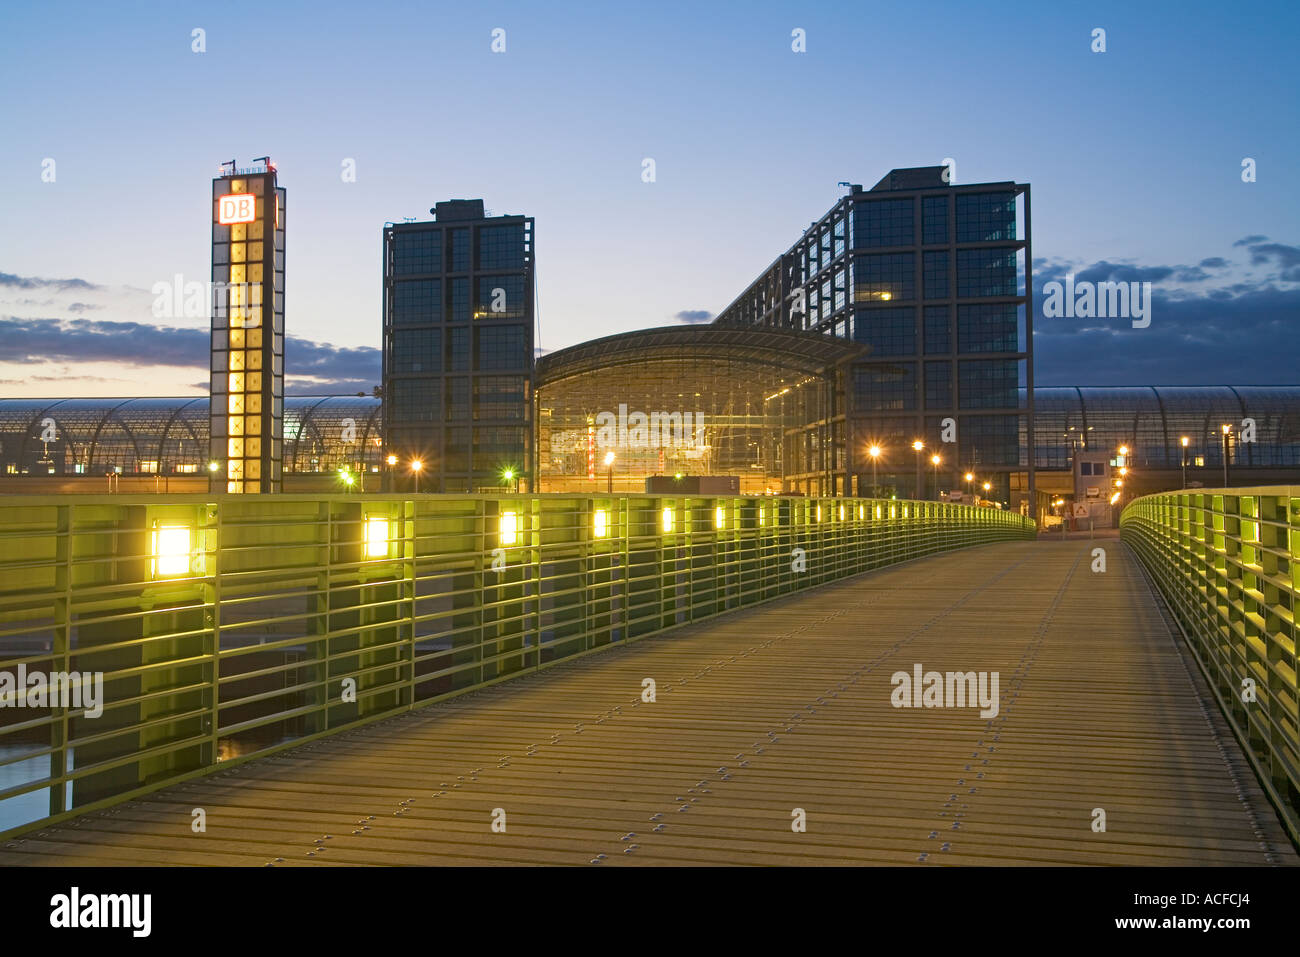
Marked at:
<point>246,404</point>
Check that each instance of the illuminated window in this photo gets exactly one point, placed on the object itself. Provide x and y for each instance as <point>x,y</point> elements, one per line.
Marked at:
<point>171,550</point>
<point>720,517</point>
<point>508,529</point>
<point>377,537</point>
<point>236,382</point>
<point>600,523</point>
<point>668,519</point>
<point>235,448</point>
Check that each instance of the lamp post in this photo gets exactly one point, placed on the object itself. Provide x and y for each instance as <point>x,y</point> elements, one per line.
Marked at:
<point>988,487</point>
<point>1227,431</point>
<point>1184,441</point>
<point>874,452</point>
<point>918,446</point>
<point>935,460</point>
<point>416,467</point>
<point>609,465</point>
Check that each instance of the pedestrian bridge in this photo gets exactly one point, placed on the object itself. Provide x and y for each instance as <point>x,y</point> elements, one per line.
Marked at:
<point>649,680</point>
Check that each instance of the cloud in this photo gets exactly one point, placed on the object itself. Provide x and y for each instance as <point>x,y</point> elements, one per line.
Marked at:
<point>31,282</point>
<point>1249,240</point>
<point>36,341</point>
<point>1197,336</point>
<point>693,315</point>
<point>1286,257</point>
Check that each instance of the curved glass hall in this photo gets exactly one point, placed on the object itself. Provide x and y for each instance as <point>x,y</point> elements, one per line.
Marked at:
<point>169,436</point>
<point>1152,421</point>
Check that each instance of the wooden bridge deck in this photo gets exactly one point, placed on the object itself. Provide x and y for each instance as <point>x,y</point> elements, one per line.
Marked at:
<point>761,712</point>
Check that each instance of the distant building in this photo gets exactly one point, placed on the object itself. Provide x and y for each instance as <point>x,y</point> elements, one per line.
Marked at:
<point>935,280</point>
<point>458,348</point>
<point>246,397</point>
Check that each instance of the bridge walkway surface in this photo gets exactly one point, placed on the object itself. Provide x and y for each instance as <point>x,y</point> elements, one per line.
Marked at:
<point>759,713</point>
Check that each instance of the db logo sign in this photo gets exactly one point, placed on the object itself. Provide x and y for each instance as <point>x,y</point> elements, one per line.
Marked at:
<point>236,208</point>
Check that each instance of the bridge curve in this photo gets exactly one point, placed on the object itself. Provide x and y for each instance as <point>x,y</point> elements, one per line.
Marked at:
<point>765,719</point>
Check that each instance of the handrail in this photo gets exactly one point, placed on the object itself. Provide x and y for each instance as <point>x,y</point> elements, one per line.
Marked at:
<point>1227,562</point>
<point>225,627</point>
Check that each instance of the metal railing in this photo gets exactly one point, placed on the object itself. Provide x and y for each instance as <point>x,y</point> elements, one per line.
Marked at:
<point>228,627</point>
<point>1228,564</point>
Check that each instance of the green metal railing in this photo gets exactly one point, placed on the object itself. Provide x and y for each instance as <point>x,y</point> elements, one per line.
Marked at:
<point>1228,565</point>
<point>228,627</point>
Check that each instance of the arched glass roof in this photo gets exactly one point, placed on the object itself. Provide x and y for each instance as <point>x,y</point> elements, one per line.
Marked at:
<point>169,436</point>
<point>1152,420</point>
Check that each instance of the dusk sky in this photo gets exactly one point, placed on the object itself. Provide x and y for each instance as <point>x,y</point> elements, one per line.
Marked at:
<point>1134,156</point>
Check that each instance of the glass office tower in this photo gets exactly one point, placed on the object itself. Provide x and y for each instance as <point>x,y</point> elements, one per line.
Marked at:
<point>935,280</point>
<point>458,350</point>
<point>246,396</point>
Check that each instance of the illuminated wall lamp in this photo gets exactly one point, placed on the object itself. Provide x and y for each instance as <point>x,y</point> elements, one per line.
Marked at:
<point>377,537</point>
<point>508,528</point>
<point>172,548</point>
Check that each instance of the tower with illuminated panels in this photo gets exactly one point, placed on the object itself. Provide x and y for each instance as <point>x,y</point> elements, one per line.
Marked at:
<point>246,404</point>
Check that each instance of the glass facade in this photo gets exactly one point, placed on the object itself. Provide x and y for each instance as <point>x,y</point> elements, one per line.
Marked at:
<point>937,275</point>
<point>1152,421</point>
<point>458,348</point>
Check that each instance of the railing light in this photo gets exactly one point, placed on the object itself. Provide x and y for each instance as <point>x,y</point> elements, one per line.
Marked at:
<point>720,517</point>
<point>600,523</point>
<point>377,537</point>
<point>508,529</point>
<point>668,519</point>
<point>172,546</point>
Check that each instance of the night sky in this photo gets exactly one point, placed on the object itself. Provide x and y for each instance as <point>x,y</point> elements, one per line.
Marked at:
<point>1134,156</point>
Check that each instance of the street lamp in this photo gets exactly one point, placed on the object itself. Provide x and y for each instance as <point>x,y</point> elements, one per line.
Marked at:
<point>609,464</point>
<point>509,475</point>
<point>1184,441</point>
<point>1227,431</point>
<point>416,467</point>
<point>918,446</point>
<point>935,460</point>
<point>874,452</point>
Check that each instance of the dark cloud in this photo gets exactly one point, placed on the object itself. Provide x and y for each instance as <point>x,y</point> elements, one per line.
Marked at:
<point>1286,257</point>
<point>31,282</point>
<point>1239,334</point>
<point>33,341</point>
<point>1214,262</point>
<point>693,315</point>
<point>1248,240</point>
<point>1120,272</point>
